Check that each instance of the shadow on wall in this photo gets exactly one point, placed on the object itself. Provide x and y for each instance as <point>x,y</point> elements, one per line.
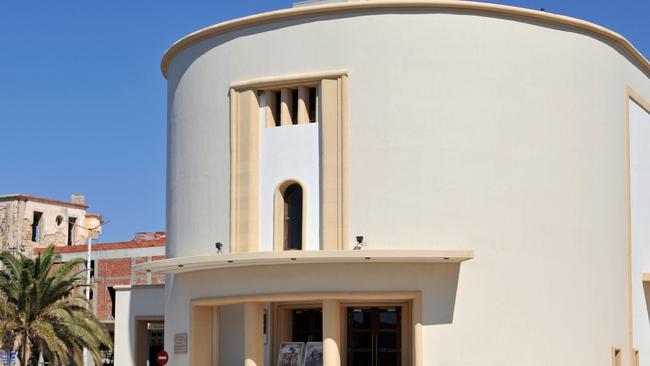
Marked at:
<point>443,298</point>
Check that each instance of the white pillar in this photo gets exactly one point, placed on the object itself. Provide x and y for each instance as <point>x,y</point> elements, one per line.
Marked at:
<point>253,334</point>
<point>331,333</point>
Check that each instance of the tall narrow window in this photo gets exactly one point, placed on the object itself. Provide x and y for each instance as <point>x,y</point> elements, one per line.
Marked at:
<point>312,104</point>
<point>277,105</point>
<point>294,106</point>
<point>71,223</point>
<point>293,217</point>
<point>36,226</point>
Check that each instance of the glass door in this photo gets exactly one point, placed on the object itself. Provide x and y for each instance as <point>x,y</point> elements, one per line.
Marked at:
<point>374,336</point>
<point>307,325</point>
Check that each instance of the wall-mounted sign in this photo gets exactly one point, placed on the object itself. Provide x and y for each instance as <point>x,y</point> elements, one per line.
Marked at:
<point>180,343</point>
<point>162,358</point>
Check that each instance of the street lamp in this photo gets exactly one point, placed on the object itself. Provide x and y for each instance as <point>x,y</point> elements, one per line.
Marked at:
<point>90,245</point>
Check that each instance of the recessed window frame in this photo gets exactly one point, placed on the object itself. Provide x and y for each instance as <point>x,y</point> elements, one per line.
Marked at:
<point>245,124</point>
<point>280,106</point>
<point>279,242</point>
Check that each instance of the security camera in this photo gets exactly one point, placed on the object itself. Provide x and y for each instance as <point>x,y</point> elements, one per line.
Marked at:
<point>219,246</point>
<point>360,239</point>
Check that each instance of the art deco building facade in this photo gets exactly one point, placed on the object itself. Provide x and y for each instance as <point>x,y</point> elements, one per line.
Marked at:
<point>494,160</point>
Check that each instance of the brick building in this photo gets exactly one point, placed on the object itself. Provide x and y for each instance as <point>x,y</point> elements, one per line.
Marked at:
<point>111,267</point>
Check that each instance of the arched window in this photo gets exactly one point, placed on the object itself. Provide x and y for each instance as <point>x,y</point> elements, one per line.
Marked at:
<point>292,217</point>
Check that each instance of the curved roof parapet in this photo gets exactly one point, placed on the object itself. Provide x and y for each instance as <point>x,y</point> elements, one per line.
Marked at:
<point>350,6</point>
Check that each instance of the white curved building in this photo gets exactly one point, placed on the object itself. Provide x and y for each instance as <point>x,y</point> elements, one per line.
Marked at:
<point>494,160</point>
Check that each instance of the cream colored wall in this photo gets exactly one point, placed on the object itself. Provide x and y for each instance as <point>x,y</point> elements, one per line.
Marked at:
<point>466,132</point>
<point>437,281</point>
<point>131,304</point>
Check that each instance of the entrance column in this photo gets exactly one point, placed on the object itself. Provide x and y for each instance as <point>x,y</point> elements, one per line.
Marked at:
<point>331,333</point>
<point>253,334</point>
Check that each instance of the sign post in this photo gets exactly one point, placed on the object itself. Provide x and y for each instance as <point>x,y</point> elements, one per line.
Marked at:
<point>162,358</point>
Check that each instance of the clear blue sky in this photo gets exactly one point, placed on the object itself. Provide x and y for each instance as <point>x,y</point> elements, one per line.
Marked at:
<point>82,100</point>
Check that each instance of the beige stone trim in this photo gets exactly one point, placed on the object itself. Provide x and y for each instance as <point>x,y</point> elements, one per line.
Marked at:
<point>332,345</point>
<point>269,109</point>
<point>332,304</point>
<point>333,162</point>
<point>645,277</point>
<point>245,171</point>
<point>234,147</point>
<point>290,257</point>
<point>253,334</point>
<point>311,297</point>
<point>278,213</point>
<point>303,105</point>
<point>136,287</point>
<point>285,107</point>
<point>288,80</point>
<point>333,120</point>
<point>630,95</point>
<point>343,7</point>
<point>344,163</point>
<point>617,356</point>
<point>216,336</point>
<point>201,336</point>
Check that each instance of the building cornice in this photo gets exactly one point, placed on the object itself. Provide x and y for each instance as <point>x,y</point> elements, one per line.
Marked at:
<point>290,257</point>
<point>485,8</point>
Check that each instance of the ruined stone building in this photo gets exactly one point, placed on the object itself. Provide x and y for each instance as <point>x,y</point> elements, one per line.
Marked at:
<point>28,222</point>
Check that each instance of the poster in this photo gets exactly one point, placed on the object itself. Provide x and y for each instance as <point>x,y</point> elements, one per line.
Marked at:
<point>314,354</point>
<point>290,354</point>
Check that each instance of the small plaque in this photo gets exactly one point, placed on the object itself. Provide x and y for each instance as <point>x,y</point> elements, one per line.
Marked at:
<point>180,343</point>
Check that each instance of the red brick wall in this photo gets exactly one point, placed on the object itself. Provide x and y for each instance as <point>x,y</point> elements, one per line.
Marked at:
<point>116,271</point>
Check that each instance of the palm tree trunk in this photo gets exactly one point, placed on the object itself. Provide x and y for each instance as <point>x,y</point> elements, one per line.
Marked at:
<point>36,353</point>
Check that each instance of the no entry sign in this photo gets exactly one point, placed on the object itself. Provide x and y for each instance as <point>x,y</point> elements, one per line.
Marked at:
<point>162,358</point>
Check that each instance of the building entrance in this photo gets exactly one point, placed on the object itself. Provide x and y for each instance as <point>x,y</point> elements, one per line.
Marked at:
<point>374,336</point>
<point>307,325</point>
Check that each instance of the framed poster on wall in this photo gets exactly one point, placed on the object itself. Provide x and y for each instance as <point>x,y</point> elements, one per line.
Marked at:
<point>290,354</point>
<point>314,354</point>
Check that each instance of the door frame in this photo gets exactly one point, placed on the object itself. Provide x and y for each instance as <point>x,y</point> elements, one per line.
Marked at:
<point>406,331</point>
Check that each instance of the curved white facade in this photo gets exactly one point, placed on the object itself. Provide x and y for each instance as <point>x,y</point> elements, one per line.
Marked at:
<point>466,130</point>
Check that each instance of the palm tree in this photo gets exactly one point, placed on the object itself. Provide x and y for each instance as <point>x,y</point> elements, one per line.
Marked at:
<point>42,310</point>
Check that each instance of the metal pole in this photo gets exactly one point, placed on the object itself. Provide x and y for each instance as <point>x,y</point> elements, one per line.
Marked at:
<point>90,245</point>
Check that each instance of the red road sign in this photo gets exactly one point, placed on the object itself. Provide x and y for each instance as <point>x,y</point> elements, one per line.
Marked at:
<point>162,358</point>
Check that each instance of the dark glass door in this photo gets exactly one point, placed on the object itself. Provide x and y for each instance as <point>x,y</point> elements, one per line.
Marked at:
<point>307,325</point>
<point>374,336</point>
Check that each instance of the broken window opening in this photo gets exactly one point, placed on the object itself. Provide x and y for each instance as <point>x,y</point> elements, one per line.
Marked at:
<point>36,226</point>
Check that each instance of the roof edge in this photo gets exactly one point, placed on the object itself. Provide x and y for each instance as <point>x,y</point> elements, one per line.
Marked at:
<point>384,4</point>
<point>27,197</point>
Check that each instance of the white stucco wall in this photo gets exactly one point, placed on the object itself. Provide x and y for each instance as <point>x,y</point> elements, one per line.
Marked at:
<point>467,132</point>
<point>131,303</point>
<point>289,152</point>
<point>640,195</point>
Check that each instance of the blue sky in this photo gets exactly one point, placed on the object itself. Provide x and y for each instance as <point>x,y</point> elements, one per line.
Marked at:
<point>82,100</point>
